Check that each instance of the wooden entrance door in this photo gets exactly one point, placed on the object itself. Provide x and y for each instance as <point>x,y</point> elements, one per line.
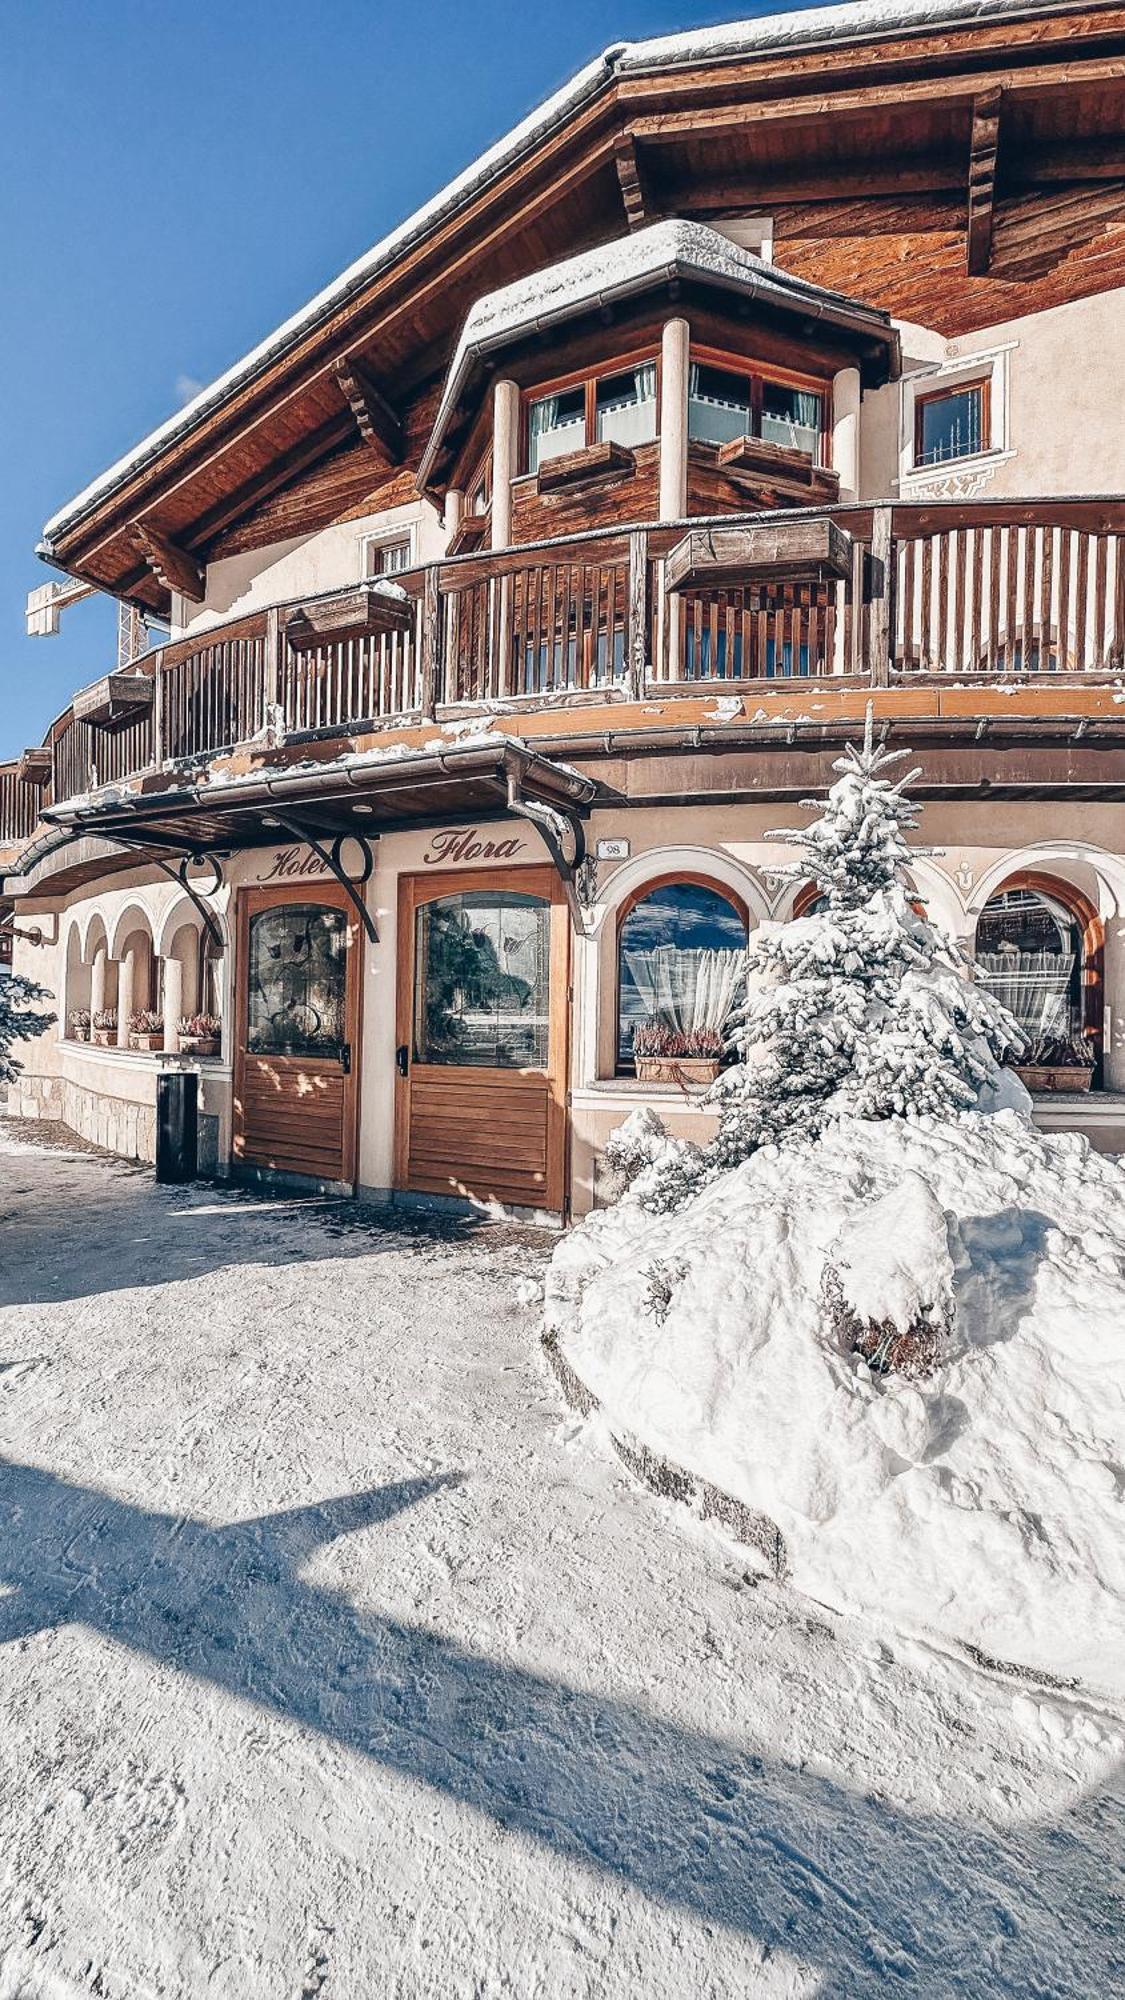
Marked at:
<point>297,1032</point>
<point>482,1034</point>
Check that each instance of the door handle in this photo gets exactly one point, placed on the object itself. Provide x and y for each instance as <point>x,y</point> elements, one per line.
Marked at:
<point>402,1058</point>
<point>346,1058</point>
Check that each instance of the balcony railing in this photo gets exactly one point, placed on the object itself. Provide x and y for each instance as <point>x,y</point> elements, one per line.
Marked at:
<point>972,590</point>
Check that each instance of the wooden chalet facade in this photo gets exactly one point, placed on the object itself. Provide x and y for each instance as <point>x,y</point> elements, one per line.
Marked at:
<point>764,372</point>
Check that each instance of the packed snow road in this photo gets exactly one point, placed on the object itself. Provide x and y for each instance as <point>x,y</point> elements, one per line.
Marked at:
<point>335,1659</point>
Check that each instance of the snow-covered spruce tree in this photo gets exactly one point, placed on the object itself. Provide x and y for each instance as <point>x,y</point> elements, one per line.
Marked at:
<point>21,1018</point>
<point>863,1009</point>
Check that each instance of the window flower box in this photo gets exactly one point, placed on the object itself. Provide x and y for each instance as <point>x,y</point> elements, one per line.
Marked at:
<point>200,1034</point>
<point>105,1028</point>
<point>1057,1063</point>
<point>677,1069</point>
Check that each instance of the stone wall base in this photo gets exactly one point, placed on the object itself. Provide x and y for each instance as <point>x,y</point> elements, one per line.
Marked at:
<point>121,1127</point>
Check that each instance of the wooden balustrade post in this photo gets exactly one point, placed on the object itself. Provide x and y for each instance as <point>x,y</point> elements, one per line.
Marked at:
<point>272,676</point>
<point>430,670</point>
<point>880,623</point>
<point>158,710</point>
<point>636,657</point>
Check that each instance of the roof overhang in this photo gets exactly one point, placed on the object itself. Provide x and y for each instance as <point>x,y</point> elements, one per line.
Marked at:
<point>85,535</point>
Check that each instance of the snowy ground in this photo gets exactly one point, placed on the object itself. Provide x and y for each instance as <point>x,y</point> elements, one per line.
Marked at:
<point>334,1659</point>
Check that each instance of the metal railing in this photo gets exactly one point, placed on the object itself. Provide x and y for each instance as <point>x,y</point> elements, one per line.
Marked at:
<point>1020,589</point>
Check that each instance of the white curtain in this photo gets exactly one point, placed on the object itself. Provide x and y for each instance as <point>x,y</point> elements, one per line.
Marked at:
<point>631,419</point>
<point>687,990</point>
<point>1033,985</point>
<point>550,435</point>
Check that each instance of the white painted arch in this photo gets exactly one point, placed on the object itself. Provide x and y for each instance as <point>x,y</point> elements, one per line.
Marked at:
<point>656,863</point>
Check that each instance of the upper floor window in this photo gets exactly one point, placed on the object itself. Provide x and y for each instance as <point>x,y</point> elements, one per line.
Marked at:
<point>728,403</point>
<point>385,557</point>
<point>620,408</point>
<point>951,423</point>
<point>478,499</point>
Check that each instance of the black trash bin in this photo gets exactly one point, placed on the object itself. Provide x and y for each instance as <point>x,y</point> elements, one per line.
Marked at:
<point>177,1125</point>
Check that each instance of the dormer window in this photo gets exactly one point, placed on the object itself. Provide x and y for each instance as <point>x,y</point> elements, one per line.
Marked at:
<point>725,403</point>
<point>617,408</point>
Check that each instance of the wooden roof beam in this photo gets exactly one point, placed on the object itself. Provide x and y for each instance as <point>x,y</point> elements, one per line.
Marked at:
<point>636,193</point>
<point>984,148</point>
<point>170,565</point>
<point>377,423</point>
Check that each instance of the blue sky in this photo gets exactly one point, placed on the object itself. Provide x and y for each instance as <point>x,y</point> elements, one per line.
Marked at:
<point>178,179</point>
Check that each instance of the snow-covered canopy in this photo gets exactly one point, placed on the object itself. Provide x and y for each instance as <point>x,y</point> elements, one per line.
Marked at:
<point>627,267</point>
<point>867,20</point>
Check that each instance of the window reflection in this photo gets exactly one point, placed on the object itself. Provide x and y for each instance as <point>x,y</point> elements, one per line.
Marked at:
<point>482,990</point>
<point>297,979</point>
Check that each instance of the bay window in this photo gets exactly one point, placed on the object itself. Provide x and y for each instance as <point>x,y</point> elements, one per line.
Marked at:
<point>618,408</point>
<point>726,402</point>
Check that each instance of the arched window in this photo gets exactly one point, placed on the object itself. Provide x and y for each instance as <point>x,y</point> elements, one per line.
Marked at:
<point>1038,951</point>
<point>681,958</point>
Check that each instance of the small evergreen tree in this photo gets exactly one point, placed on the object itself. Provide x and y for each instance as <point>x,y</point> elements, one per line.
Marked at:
<point>21,1018</point>
<point>862,1009</point>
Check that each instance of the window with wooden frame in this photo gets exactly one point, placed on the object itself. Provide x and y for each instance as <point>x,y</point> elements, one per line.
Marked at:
<point>953,423</point>
<point>617,405</point>
<point>384,555</point>
<point>478,492</point>
<point>729,398</point>
<point>681,969</point>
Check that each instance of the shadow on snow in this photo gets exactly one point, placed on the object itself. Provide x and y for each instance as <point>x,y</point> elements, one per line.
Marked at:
<point>864,1892</point>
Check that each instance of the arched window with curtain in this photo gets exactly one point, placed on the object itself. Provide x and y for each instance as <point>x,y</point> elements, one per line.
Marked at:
<point>681,959</point>
<point>1038,949</point>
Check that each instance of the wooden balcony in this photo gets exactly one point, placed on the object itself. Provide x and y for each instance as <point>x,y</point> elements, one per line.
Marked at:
<point>973,593</point>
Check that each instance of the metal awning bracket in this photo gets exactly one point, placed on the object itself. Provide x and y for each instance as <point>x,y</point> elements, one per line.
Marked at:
<point>352,885</point>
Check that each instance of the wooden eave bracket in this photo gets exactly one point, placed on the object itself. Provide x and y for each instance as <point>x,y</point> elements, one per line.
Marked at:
<point>984,149</point>
<point>636,189</point>
<point>377,423</point>
<point>170,565</point>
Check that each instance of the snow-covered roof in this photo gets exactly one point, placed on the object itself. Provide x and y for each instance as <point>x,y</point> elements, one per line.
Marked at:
<point>864,20</point>
<point>629,265</point>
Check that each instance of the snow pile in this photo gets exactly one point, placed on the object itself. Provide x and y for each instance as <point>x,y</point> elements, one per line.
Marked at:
<point>982,1501</point>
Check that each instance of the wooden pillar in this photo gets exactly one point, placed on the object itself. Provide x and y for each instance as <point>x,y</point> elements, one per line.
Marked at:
<point>505,458</point>
<point>173,1003</point>
<point>881,619</point>
<point>846,397</point>
<point>675,365</point>
<point>505,463</point>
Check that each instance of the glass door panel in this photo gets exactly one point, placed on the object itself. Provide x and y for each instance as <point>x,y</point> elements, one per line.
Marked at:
<point>482,981</point>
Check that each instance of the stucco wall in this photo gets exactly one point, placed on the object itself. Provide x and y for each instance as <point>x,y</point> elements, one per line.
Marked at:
<point>327,560</point>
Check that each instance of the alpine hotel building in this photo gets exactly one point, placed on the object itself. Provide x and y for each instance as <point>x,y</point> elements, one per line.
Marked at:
<point>521,582</point>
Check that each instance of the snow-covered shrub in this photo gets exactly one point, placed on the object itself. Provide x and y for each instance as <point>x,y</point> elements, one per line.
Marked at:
<point>861,1010</point>
<point>649,1164</point>
<point>888,1282</point>
<point>22,1018</point>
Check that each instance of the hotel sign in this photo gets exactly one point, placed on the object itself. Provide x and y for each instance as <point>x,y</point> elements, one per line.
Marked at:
<point>289,862</point>
<point>465,843</point>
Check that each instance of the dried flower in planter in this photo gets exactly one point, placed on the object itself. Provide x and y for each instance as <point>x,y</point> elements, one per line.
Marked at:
<point>1057,1052</point>
<point>80,1024</point>
<point>106,1017</point>
<point>655,1039</point>
<point>146,1022</point>
<point>201,1027</point>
